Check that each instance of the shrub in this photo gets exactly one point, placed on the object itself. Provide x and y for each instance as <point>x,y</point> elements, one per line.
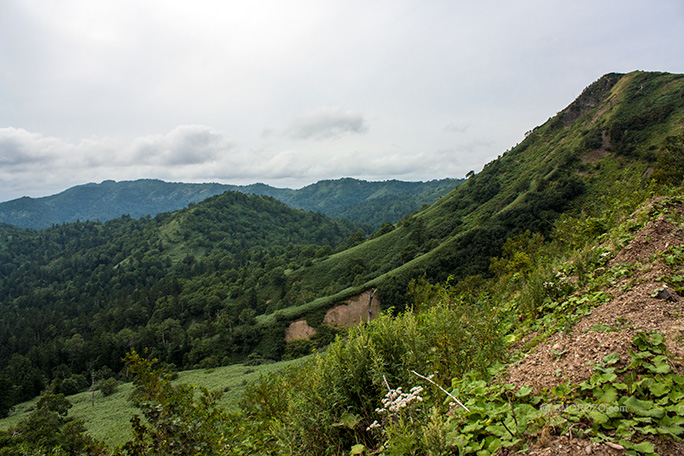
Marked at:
<point>331,407</point>
<point>109,386</point>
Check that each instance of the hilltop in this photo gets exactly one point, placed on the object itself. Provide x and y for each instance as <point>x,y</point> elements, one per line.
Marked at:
<point>370,203</point>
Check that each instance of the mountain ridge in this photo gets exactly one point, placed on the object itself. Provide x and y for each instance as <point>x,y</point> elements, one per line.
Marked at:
<point>349,198</point>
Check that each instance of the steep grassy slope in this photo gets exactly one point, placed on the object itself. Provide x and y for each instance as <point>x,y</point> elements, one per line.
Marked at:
<point>613,131</point>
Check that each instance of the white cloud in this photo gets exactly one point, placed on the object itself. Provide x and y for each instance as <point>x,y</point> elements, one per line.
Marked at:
<point>326,123</point>
<point>412,90</point>
<point>184,145</point>
<point>19,147</point>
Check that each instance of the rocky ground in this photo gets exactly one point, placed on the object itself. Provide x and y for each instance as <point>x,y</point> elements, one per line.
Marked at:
<point>640,302</point>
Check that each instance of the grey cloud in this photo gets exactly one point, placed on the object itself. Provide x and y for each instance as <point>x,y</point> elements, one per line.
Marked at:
<point>18,147</point>
<point>326,123</point>
<point>184,145</point>
<point>454,127</point>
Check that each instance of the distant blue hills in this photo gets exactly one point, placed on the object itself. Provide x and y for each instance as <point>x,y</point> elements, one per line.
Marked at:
<point>370,203</point>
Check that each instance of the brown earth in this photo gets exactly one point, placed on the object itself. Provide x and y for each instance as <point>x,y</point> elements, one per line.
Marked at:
<point>610,328</point>
<point>594,156</point>
<point>299,329</point>
<point>353,312</point>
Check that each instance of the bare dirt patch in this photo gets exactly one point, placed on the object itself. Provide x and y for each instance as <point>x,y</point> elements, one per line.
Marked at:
<point>633,307</point>
<point>610,328</point>
<point>352,313</point>
<point>656,237</point>
<point>594,156</point>
<point>299,329</point>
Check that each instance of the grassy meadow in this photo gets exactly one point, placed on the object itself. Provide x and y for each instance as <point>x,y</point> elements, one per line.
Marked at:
<point>107,418</point>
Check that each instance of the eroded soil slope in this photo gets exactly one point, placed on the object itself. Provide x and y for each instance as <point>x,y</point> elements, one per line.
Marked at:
<point>641,301</point>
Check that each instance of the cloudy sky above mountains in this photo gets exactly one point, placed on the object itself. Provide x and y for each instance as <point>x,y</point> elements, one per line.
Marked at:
<point>291,92</point>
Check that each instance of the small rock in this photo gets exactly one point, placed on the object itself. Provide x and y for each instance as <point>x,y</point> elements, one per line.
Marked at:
<point>666,295</point>
<point>615,446</point>
<point>588,449</point>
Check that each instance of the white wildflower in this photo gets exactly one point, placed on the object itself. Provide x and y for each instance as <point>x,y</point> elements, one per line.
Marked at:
<point>373,425</point>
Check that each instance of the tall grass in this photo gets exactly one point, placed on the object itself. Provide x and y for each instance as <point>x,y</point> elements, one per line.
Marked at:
<point>107,418</point>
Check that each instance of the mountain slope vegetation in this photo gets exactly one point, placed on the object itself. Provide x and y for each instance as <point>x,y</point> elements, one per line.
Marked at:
<point>571,181</point>
<point>372,203</point>
<point>77,297</point>
<point>612,131</point>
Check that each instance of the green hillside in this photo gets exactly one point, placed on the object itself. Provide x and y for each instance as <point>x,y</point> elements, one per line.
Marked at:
<point>613,131</point>
<point>371,203</point>
<point>188,284</point>
<point>219,282</point>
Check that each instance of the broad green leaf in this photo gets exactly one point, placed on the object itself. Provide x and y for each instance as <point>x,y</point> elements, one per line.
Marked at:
<point>676,408</point>
<point>611,358</point>
<point>510,443</point>
<point>644,447</point>
<point>607,395</point>
<point>676,396</point>
<point>625,427</point>
<point>349,420</point>
<point>659,365</point>
<point>642,354</point>
<point>497,430</point>
<point>612,411</point>
<point>648,430</point>
<point>663,401</point>
<point>670,430</point>
<point>598,417</point>
<point>561,390</point>
<point>473,427</point>
<point>493,444</point>
<point>673,420</point>
<point>643,408</point>
<point>643,419</point>
<point>608,377</point>
<point>526,412</point>
<point>358,449</point>
<point>524,391</point>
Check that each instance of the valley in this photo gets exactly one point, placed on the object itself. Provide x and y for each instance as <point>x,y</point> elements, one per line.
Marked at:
<point>530,284</point>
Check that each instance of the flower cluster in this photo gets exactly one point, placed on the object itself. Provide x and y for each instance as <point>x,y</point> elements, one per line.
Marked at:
<point>396,400</point>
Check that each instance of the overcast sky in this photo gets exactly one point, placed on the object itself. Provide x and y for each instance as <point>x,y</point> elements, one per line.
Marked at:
<point>292,92</point>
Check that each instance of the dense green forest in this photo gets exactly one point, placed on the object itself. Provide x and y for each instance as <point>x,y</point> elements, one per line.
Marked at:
<point>370,203</point>
<point>219,282</point>
<point>188,285</point>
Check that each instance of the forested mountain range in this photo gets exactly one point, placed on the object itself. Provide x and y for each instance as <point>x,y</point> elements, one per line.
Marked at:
<point>78,296</point>
<point>221,280</point>
<point>371,203</point>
